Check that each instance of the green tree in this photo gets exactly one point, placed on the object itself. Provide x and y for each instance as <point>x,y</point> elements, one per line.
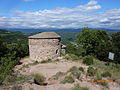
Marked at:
<point>95,42</point>
<point>116,43</point>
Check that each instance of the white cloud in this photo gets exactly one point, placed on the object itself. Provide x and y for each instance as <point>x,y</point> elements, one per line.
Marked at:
<point>77,17</point>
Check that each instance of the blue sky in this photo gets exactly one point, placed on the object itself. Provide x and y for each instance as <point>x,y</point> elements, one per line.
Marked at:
<point>60,13</point>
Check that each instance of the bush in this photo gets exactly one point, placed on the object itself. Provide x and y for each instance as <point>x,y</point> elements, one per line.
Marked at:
<point>88,60</point>
<point>72,69</point>
<point>72,57</point>
<point>81,69</point>
<point>98,77</point>
<point>91,71</point>
<point>57,75</point>
<point>78,87</point>
<point>38,78</point>
<point>68,79</point>
<point>46,61</point>
<point>16,78</point>
<point>35,63</point>
<point>106,74</point>
<point>16,87</point>
<point>76,74</point>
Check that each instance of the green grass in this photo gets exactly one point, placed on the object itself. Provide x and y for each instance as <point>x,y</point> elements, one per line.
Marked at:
<point>72,57</point>
<point>46,61</point>
<point>76,74</point>
<point>16,79</point>
<point>74,68</point>
<point>78,87</point>
<point>35,63</point>
<point>114,69</point>
<point>106,74</point>
<point>67,79</point>
<point>81,69</point>
<point>88,60</point>
<point>57,75</point>
<point>91,71</point>
<point>38,78</point>
<point>16,87</point>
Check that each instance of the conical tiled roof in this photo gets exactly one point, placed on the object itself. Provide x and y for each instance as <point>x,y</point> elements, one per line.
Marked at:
<point>45,35</point>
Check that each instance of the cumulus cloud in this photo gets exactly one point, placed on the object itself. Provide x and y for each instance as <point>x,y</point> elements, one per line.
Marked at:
<point>77,17</point>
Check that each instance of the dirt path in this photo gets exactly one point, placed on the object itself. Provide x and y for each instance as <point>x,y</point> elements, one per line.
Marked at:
<point>50,69</point>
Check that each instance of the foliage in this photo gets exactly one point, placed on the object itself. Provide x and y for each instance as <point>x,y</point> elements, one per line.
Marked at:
<point>88,60</point>
<point>16,79</point>
<point>74,48</point>
<point>35,63</point>
<point>81,69</point>
<point>72,69</point>
<point>95,42</point>
<point>46,61</point>
<point>91,71</point>
<point>76,74</point>
<point>72,57</point>
<point>68,79</point>
<point>57,75</point>
<point>106,74</point>
<point>78,87</point>
<point>98,76</point>
<point>39,78</point>
<point>16,87</point>
<point>67,36</point>
<point>11,51</point>
<point>116,43</point>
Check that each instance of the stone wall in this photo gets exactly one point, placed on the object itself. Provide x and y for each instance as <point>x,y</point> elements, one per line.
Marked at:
<point>41,49</point>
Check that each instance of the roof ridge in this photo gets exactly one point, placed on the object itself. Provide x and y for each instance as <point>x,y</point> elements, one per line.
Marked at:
<point>43,35</point>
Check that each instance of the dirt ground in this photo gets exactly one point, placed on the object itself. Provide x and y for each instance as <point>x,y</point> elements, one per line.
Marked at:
<point>50,69</point>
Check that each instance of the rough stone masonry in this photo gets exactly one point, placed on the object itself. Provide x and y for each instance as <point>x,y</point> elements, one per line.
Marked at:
<point>45,45</point>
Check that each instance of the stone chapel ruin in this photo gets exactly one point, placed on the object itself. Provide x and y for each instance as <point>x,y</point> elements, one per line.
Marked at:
<point>45,45</point>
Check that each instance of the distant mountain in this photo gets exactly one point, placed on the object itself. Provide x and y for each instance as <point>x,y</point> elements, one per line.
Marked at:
<point>59,30</point>
<point>13,37</point>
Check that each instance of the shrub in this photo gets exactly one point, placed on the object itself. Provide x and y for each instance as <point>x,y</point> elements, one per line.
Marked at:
<point>106,74</point>
<point>72,57</point>
<point>88,60</point>
<point>68,79</point>
<point>16,87</point>
<point>91,71</point>
<point>38,78</point>
<point>76,74</point>
<point>98,77</point>
<point>16,78</point>
<point>46,61</point>
<point>72,69</point>
<point>35,63</point>
<point>57,75</point>
<point>81,69</point>
<point>78,87</point>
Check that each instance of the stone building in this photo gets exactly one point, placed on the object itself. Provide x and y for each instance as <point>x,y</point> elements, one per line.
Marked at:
<point>45,45</point>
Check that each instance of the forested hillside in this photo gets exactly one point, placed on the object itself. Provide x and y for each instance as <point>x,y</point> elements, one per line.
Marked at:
<point>13,47</point>
<point>13,37</point>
